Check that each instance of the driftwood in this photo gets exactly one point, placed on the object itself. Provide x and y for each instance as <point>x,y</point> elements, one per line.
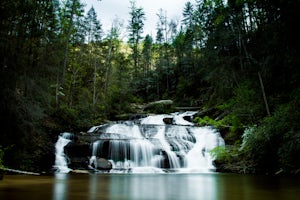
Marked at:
<point>20,171</point>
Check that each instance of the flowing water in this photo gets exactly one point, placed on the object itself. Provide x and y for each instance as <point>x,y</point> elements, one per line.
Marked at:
<point>60,157</point>
<point>150,160</point>
<point>148,144</point>
<point>170,186</point>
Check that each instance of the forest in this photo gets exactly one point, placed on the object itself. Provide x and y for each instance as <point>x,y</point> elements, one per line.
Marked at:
<point>238,60</point>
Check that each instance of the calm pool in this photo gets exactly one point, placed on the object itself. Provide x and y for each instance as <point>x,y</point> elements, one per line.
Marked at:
<point>212,186</point>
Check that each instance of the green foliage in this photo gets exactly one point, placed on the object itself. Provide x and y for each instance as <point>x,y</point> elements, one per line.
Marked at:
<point>230,124</point>
<point>246,106</point>
<point>248,133</point>
<point>288,153</point>
<point>135,28</point>
<point>221,154</point>
<point>243,109</point>
<point>230,121</point>
<point>254,143</point>
<point>274,144</point>
<point>212,61</point>
<point>207,121</point>
<point>230,158</point>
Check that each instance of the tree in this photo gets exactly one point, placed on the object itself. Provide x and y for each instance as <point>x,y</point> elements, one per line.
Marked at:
<point>188,15</point>
<point>113,45</point>
<point>135,28</point>
<point>147,54</point>
<point>93,26</point>
<point>27,41</point>
<point>71,8</point>
<point>94,33</point>
<point>163,62</point>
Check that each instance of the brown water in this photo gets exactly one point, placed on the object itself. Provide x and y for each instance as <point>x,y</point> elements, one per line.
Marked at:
<point>149,187</point>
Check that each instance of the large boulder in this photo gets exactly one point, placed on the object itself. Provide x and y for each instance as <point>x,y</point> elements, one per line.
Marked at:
<point>78,155</point>
<point>159,107</point>
<point>73,149</point>
<point>103,164</point>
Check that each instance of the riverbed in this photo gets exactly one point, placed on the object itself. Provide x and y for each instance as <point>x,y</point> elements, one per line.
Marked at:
<point>168,186</point>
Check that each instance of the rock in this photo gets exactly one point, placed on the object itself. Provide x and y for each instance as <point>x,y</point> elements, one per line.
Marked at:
<point>73,149</point>
<point>168,120</point>
<point>78,171</point>
<point>188,118</point>
<point>78,162</point>
<point>134,117</point>
<point>161,106</point>
<point>129,116</point>
<point>78,155</point>
<point>103,164</point>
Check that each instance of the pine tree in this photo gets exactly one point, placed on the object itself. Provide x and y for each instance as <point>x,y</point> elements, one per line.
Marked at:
<point>93,26</point>
<point>135,28</point>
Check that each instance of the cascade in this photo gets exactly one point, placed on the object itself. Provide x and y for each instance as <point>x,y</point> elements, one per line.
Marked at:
<point>60,158</point>
<point>145,145</point>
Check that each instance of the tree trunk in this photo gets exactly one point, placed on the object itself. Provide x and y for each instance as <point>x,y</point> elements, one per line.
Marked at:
<point>94,83</point>
<point>264,94</point>
<point>67,43</point>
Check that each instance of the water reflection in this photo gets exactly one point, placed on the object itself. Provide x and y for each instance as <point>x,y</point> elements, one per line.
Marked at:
<point>149,186</point>
<point>60,187</point>
<point>161,187</point>
<point>93,187</point>
<point>249,187</point>
<point>134,186</point>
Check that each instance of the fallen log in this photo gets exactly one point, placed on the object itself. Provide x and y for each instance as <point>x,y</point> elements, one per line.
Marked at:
<point>20,171</point>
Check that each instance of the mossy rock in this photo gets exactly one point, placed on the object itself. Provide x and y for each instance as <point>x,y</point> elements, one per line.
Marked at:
<point>159,107</point>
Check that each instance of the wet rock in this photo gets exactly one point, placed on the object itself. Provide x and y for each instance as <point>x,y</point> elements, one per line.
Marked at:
<point>78,162</point>
<point>78,155</point>
<point>168,120</point>
<point>103,164</point>
<point>188,118</point>
<point>73,149</point>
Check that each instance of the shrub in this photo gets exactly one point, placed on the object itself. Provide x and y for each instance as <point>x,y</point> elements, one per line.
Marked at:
<point>275,144</point>
<point>220,153</point>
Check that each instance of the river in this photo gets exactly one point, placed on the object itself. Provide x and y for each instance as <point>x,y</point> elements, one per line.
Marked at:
<point>168,186</point>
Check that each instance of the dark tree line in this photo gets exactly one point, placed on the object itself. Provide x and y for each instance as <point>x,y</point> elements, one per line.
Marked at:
<point>61,72</point>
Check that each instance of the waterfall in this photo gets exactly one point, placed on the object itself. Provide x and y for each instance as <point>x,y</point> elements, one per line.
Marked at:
<point>125,154</point>
<point>172,157</point>
<point>149,145</point>
<point>60,158</point>
<point>199,158</point>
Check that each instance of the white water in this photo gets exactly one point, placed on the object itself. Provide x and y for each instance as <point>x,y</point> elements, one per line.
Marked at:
<point>125,154</point>
<point>151,146</point>
<point>173,160</point>
<point>199,158</point>
<point>60,157</point>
